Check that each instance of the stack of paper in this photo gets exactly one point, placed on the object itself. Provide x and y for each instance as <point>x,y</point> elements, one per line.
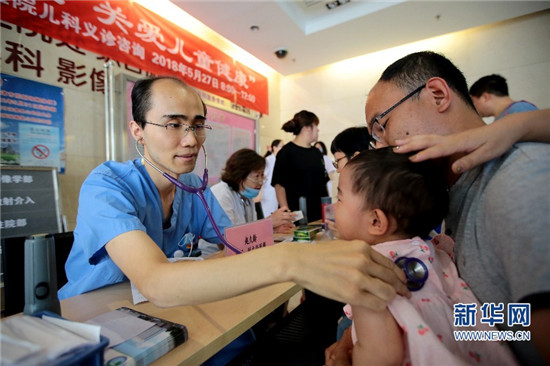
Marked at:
<point>30,340</point>
<point>138,338</point>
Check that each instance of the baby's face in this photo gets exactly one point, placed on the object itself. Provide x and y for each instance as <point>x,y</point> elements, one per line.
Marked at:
<point>348,210</point>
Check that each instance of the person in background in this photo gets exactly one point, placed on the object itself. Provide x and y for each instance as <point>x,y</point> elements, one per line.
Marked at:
<point>329,167</point>
<point>241,181</point>
<point>491,99</point>
<point>268,196</point>
<point>131,218</point>
<point>274,147</point>
<point>300,168</point>
<point>498,213</point>
<point>392,204</point>
<point>300,171</point>
<point>347,144</point>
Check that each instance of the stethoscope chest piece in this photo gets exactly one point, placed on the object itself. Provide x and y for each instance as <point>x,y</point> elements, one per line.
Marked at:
<point>415,271</point>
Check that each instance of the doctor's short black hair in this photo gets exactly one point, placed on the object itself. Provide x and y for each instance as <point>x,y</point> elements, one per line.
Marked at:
<point>141,97</point>
<point>414,194</point>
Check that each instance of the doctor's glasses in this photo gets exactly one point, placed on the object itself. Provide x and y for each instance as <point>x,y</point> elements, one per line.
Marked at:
<point>181,129</point>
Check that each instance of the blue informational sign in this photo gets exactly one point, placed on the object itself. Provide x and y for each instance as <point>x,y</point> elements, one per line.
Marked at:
<point>32,124</point>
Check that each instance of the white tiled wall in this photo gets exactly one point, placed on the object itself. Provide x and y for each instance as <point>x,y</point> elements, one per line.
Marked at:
<point>518,49</point>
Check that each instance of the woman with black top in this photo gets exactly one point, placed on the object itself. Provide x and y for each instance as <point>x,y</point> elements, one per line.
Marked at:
<point>300,171</point>
<point>299,168</point>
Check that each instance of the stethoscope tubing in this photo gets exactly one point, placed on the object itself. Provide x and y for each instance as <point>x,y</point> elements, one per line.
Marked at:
<point>199,191</point>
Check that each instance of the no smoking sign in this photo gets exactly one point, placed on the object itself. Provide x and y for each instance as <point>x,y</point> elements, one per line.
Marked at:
<point>40,151</point>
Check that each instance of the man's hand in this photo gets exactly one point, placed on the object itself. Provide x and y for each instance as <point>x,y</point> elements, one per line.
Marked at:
<point>481,144</point>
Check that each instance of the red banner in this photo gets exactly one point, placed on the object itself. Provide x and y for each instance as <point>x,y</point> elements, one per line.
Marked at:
<point>127,32</point>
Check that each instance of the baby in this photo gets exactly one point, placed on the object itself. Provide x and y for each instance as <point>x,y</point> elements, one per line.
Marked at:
<point>391,203</point>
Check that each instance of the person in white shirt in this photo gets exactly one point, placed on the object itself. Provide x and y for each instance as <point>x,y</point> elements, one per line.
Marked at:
<point>268,196</point>
<point>328,165</point>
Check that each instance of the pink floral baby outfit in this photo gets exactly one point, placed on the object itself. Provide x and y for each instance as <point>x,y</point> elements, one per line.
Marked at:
<point>427,318</point>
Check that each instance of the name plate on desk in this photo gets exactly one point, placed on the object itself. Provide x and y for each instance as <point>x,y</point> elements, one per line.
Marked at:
<point>247,237</point>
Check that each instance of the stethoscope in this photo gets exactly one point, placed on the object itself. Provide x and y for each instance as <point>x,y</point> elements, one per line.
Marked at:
<point>415,271</point>
<point>199,191</point>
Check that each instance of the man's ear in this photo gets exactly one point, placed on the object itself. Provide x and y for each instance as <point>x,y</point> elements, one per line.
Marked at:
<point>136,131</point>
<point>440,93</point>
<point>379,222</point>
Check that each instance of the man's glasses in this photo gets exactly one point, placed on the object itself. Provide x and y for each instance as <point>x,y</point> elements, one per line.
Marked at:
<point>181,129</point>
<point>378,130</point>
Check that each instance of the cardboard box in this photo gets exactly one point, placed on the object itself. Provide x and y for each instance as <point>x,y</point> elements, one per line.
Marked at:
<point>306,233</point>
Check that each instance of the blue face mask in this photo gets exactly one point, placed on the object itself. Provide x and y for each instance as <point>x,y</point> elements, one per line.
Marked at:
<point>249,192</point>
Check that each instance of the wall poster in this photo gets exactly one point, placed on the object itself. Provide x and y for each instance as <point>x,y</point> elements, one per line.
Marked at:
<point>32,124</point>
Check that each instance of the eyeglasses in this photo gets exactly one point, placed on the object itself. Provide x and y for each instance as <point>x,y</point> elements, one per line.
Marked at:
<point>378,130</point>
<point>258,180</point>
<point>335,162</point>
<point>182,129</point>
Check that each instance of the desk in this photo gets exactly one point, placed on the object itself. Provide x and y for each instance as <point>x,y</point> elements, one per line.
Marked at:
<point>211,326</point>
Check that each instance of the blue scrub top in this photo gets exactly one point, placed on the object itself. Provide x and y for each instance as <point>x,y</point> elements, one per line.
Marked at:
<point>120,197</point>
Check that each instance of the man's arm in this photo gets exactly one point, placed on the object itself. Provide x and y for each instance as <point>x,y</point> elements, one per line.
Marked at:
<point>348,271</point>
<point>483,143</point>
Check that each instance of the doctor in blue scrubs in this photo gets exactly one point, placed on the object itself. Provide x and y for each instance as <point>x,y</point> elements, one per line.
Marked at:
<point>131,219</point>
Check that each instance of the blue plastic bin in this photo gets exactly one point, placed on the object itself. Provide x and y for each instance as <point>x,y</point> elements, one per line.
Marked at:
<point>90,355</point>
